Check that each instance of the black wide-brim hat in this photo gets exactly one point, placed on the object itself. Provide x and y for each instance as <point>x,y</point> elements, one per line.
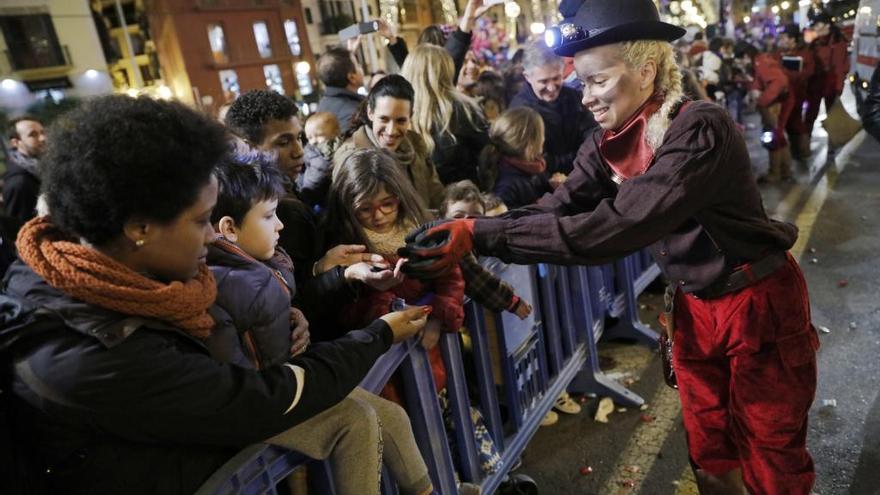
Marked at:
<point>593,23</point>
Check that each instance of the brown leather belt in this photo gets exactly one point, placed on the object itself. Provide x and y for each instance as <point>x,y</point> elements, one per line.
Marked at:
<point>743,276</point>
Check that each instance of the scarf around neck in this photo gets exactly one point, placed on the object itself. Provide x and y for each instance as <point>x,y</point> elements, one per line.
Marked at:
<point>529,167</point>
<point>626,150</point>
<point>90,276</point>
<point>28,163</point>
<point>405,153</point>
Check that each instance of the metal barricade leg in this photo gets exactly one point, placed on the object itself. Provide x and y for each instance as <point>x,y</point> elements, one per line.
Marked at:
<point>591,379</point>
<point>630,326</point>
<point>421,397</point>
<point>456,388</point>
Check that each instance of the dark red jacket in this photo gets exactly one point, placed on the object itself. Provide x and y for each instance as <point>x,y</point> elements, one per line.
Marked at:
<point>831,58</point>
<point>799,79</point>
<point>770,79</point>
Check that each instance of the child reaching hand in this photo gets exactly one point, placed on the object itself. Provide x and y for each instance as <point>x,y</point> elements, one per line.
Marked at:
<point>373,202</point>
<point>258,327</point>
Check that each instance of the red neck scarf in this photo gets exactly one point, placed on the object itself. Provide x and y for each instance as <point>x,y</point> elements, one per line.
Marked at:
<point>531,167</point>
<point>627,151</point>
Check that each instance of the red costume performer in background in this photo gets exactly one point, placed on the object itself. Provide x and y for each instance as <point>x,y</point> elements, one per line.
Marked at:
<point>798,79</point>
<point>745,349</point>
<point>832,65</point>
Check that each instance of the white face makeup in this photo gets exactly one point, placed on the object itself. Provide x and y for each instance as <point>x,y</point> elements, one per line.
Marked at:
<point>612,91</point>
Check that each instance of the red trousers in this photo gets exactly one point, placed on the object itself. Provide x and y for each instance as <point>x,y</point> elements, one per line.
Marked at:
<point>746,368</point>
<point>821,86</point>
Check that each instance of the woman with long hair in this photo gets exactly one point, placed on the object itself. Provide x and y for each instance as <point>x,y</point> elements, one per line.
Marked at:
<point>451,123</point>
<point>674,176</point>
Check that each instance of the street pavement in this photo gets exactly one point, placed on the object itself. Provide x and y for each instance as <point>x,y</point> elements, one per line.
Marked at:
<point>834,202</point>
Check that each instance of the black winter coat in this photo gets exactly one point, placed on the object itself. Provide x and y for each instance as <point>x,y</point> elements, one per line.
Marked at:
<point>456,153</point>
<point>120,404</point>
<point>567,124</point>
<point>21,189</point>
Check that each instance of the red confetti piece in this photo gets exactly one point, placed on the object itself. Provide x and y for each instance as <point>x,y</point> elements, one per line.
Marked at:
<point>586,470</point>
<point>842,283</point>
<point>647,418</point>
<point>628,483</point>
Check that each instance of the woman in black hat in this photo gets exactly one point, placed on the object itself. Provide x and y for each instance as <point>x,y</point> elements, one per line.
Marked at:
<point>674,177</point>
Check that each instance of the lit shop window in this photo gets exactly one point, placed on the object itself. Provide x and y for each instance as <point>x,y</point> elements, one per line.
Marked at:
<point>273,78</point>
<point>290,31</point>
<point>261,34</point>
<point>229,82</point>
<point>304,78</point>
<point>218,43</point>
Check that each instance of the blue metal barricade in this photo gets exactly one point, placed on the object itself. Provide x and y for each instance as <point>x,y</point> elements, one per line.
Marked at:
<point>520,368</point>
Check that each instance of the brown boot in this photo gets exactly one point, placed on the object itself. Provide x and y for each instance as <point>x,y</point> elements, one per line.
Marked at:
<point>773,172</point>
<point>730,483</point>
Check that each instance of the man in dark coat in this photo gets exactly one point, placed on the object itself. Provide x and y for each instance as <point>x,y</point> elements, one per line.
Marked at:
<point>21,183</point>
<point>342,77</point>
<point>566,122</point>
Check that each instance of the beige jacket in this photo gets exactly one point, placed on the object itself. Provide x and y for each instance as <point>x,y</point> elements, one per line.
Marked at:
<point>421,171</point>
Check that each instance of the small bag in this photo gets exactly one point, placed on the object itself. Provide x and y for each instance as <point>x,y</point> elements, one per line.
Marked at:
<point>667,321</point>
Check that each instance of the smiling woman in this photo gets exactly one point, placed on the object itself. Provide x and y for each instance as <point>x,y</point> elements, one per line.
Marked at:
<point>674,177</point>
<point>384,122</point>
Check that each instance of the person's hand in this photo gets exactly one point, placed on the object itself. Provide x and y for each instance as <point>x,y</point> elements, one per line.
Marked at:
<point>557,179</point>
<point>472,11</point>
<point>346,255</point>
<point>404,324</point>
<point>299,334</point>
<point>431,335</point>
<point>435,247</point>
<point>379,276</point>
<point>387,31</point>
<point>523,309</point>
<point>353,43</point>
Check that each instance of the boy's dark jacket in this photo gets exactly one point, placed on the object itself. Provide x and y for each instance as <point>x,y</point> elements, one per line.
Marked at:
<point>256,296</point>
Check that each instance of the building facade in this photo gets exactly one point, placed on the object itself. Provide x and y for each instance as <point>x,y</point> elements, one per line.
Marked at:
<point>211,51</point>
<point>51,49</point>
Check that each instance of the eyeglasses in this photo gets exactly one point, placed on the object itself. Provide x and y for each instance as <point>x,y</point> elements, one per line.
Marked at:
<point>387,207</point>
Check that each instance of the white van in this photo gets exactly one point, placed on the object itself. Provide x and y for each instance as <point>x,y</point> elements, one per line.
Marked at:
<point>866,47</point>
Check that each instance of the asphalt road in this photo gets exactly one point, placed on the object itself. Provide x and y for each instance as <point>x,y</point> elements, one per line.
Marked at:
<point>835,203</point>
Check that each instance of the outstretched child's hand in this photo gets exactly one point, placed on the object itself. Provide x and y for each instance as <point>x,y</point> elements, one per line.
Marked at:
<point>404,324</point>
<point>523,309</point>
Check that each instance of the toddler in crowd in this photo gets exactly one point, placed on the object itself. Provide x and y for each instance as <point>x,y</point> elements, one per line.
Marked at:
<point>463,200</point>
<point>257,327</point>
<point>323,135</point>
<point>512,165</point>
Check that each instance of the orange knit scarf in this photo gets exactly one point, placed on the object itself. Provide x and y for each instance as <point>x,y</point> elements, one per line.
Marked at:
<point>88,275</point>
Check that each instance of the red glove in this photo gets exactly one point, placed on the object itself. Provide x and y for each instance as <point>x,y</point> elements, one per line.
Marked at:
<point>436,247</point>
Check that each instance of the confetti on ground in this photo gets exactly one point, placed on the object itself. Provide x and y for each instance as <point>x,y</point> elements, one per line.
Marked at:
<point>842,283</point>
<point>647,418</point>
<point>586,471</point>
<point>824,329</point>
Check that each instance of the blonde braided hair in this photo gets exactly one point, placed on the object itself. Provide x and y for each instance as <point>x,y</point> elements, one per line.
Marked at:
<point>667,83</point>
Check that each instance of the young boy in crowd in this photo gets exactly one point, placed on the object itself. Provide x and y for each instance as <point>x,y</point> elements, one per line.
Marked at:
<point>323,136</point>
<point>255,286</point>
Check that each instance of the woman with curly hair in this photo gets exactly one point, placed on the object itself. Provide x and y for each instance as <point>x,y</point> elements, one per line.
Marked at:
<point>675,177</point>
<point>108,313</point>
